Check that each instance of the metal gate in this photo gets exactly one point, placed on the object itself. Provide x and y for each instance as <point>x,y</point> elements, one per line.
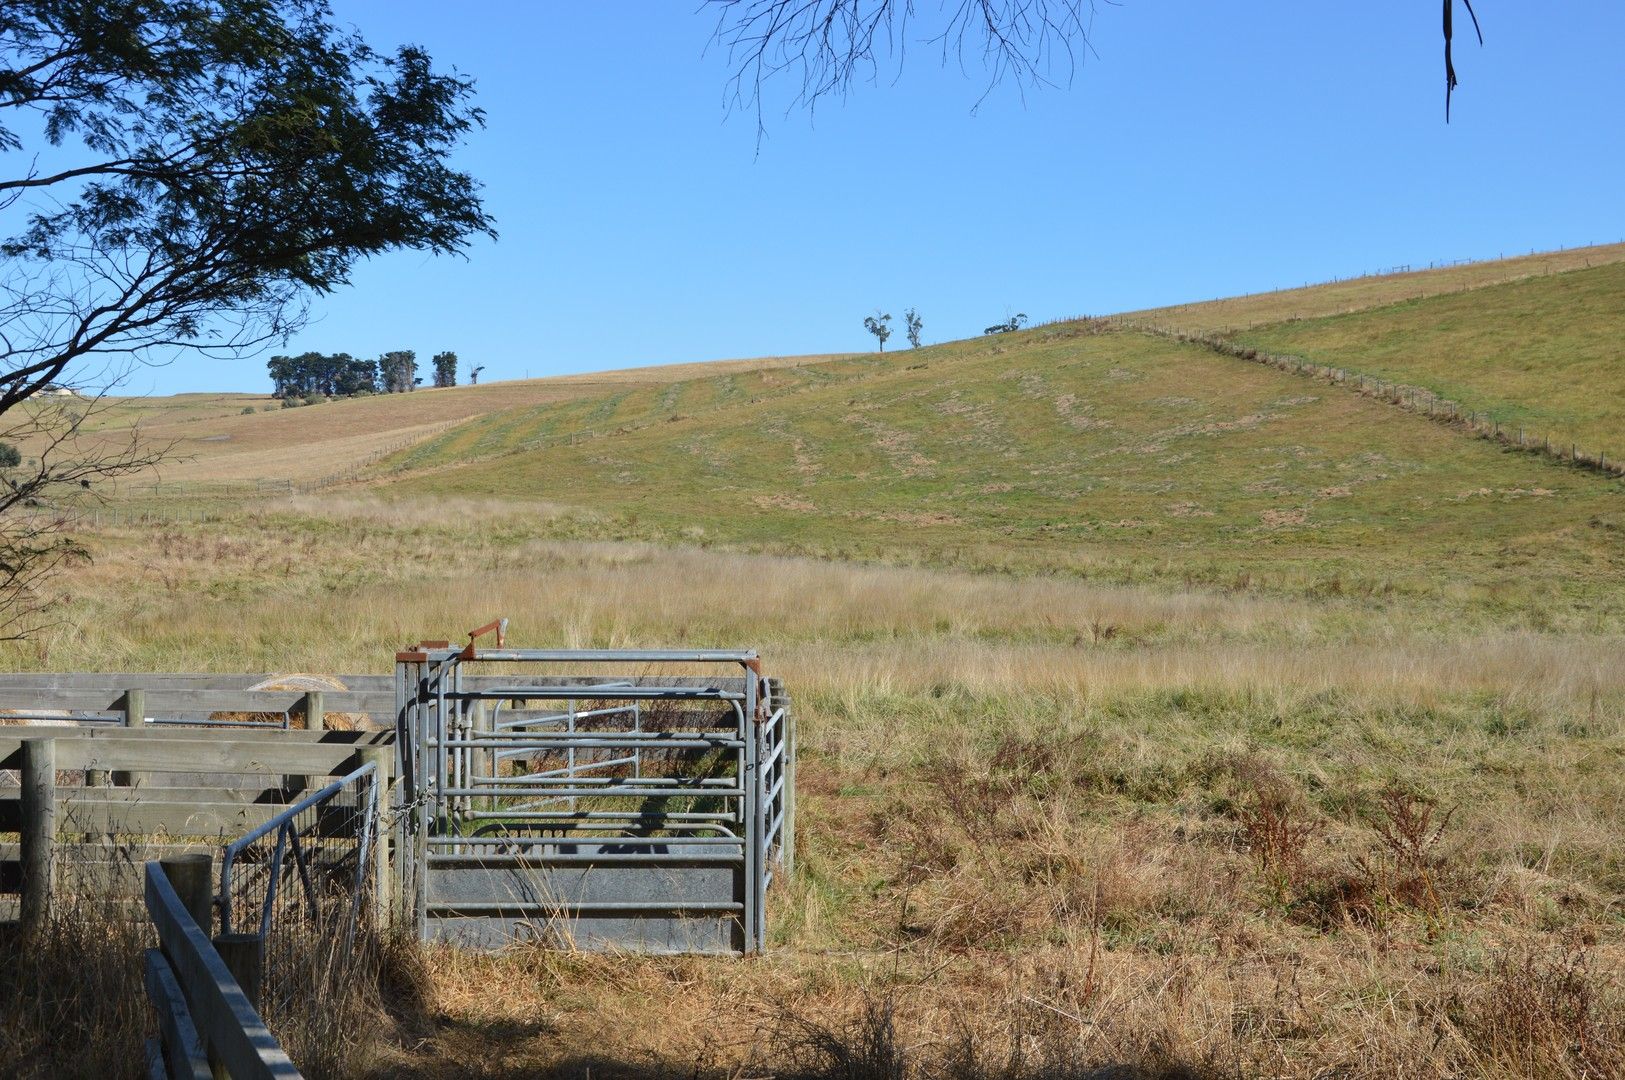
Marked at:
<point>582,798</point>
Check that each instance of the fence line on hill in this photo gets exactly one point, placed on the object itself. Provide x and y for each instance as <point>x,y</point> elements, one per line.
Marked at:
<point>1415,399</point>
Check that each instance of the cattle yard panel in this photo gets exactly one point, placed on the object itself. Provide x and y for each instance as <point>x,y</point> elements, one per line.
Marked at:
<point>638,811</point>
<point>641,811</point>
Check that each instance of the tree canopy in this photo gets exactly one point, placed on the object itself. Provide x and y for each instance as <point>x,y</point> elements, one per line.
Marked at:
<point>823,46</point>
<point>187,170</point>
<point>183,175</point>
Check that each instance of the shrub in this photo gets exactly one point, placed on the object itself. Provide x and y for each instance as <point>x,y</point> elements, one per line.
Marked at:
<point>10,456</point>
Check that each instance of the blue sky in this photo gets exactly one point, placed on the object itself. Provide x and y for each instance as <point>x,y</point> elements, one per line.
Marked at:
<point>1205,149</point>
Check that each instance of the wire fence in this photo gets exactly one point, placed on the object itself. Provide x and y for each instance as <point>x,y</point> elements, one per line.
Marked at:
<point>1416,399</point>
<point>300,883</point>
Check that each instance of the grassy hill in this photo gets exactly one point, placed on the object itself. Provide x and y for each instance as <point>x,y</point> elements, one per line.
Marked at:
<point>1545,354</point>
<point>1100,453</point>
<point>1376,290</point>
<point>231,443</point>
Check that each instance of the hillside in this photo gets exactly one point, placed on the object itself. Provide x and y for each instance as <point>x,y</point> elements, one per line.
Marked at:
<point>1375,290</point>
<point>233,443</point>
<point>1545,354</point>
<point>1181,703</point>
<point>1103,453</point>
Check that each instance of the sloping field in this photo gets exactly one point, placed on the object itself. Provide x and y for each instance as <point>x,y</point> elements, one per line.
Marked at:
<point>1544,354</point>
<point>1377,290</point>
<point>1093,452</point>
<point>215,442</point>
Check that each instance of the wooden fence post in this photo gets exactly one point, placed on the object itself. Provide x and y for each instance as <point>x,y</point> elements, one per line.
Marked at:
<point>135,716</point>
<point>315,715</point>
<point>245,961</point>
<point>383,758</point>
<point>39,831</point>
<point>192,877</point>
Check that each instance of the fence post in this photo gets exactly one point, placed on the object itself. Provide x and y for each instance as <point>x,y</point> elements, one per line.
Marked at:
<point>382,759</point>
<point>135,716</point>
<point>39,831</point>
<point>243,958</point>
<point>192,877</point>
<point>315,715</point>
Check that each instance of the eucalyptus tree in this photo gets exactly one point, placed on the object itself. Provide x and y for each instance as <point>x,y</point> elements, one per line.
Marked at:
<point>184,175</point>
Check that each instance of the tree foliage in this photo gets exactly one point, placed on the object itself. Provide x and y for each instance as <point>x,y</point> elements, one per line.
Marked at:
<point>398,371</point>
<point>445,369</point>
<point>878,325</point>
<point>330,375</point>
<point>186,173</point>
<point>1008,326</point>
<point>914,324</point>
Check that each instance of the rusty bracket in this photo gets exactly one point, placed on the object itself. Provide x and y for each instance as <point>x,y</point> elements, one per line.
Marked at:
<point>498,626</point>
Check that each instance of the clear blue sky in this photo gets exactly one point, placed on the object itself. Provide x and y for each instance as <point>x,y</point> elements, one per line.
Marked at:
<point>1207,149</point>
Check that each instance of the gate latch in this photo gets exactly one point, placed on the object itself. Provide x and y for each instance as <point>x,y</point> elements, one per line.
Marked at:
<point>500,627</point>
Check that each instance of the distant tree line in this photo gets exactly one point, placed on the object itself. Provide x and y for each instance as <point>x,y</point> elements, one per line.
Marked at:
<point>313,375</point>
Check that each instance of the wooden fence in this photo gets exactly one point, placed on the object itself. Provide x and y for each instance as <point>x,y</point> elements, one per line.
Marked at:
<point>205,990</point>
<point>229,783</point>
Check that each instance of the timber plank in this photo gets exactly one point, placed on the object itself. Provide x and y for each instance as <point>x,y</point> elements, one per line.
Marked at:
<point>229,1024</point>
<point>184,1048</point>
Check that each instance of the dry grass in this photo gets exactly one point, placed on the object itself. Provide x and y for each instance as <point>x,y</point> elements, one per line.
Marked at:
<point>1358,294</point>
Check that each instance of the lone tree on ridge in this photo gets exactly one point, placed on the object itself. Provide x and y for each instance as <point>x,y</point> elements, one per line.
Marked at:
<point>877,324</point>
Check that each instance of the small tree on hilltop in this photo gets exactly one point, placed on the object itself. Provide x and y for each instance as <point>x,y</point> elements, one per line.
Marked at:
<point>913,322</point>
<point>445,369</point>
<point>474,375</point>
<point>1010,326</point>
<point>878,325</point>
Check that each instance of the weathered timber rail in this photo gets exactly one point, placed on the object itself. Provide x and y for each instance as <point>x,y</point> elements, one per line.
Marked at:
<point>252,776</point>
<point>205,990</point>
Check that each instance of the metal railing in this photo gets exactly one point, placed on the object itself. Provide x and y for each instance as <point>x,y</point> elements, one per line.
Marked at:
<point>300,881</point>
<point>644,812</point>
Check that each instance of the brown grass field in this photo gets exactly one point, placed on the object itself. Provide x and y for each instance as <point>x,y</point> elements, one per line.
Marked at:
<point>1314,771</point>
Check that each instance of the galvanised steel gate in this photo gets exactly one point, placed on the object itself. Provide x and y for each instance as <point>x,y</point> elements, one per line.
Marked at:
<point>637,811</point>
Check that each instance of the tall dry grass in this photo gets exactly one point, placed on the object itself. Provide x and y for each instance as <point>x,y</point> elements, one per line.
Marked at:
<point>1048,827</point>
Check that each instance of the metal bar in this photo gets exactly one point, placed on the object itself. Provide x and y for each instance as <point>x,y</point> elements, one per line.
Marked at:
<point>272,882</point>
<point>634,858</point>
<point>614,693</point>
<point>559,718</point>
<point>655,740</point>
<point>751,805</point>
<point>580,792</point>
<point>566,816</point>
<point>457,842</point>
<point>497,907</point>
<point>593,656</point>
<point>293,811</point>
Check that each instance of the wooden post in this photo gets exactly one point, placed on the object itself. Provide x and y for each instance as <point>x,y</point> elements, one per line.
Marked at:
<point>39,831</point>
<point>382,890</point>
<point>315,715</point>
<point>192,877</point>
<point>135,708</point>
<point>243,958</point>
<point>135,716</point>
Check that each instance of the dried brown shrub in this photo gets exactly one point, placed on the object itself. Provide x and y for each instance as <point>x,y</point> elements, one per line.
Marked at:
<point>1552,1013</point>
